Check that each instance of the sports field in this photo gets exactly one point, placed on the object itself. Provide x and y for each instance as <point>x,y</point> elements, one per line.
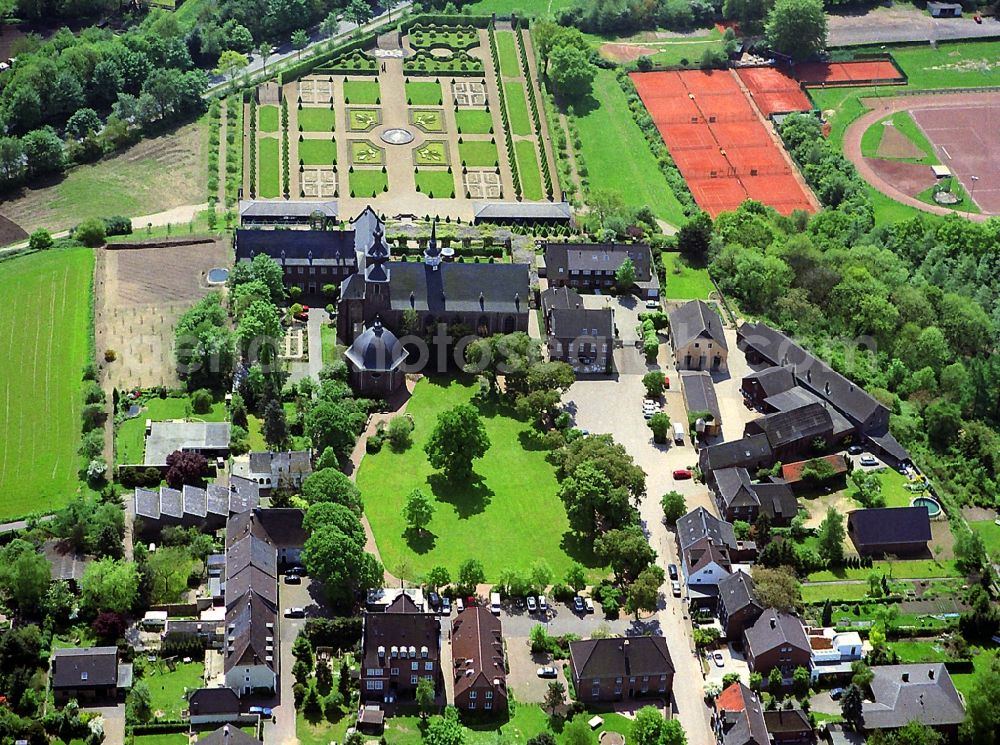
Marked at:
<point>45,337</point>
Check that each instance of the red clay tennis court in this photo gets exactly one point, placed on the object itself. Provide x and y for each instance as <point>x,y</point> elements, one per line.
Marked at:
<point>774,90</point>
<point>848,73</point>
<point>718,141</point>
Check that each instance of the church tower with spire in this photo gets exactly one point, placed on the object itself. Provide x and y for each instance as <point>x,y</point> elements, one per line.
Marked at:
<point>432,254</point>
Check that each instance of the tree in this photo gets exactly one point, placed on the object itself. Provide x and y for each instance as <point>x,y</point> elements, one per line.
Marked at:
<point>230,62</point>
<point>654,382</point>
<point>694,238</point>
<point>459,437</point>
<point>418,511</point>
<point>578,732</point>
<point>300,40</point>
<point>797,28</point>
<point>24,576</point>
<point>861,674</point>
<point>831,537</point>
<point>83,123</point>
<point>275,425</point>
<point>109,585</point>
<point>627,551</point>
<point>336,424</point>
<point>201,401</point>
<point>827,616</point>
<point>982,710</point>
<point>109,627</point>
<point>90,232</point>
<point>139,703</point>
<point>264,49</point>
<point>400,433</point>
<point>576,576</point>
<point>756,682</point>
<point>660,424</point>
<point>851,705</point>
<point>358,12</point>
<point>44,152</point>
<point>259,330</point>
<point>800,681</point>
<point>185,467</point>
<point>775,682</point>
<point>644,593</point>
<point>470,574</point>
<point>571,72</point>
<point>625,276</point>
<point>437,577</point>
<point>331,485</point>
<point>674,506</point>
<point>970,551</point>
<point>340,563</point>
<point>777,588</point>
<point>647,727</point>
<point>425,697</point>
<point>555,695</point>
<point>329,25</point>
<point>944,420</point>
<point>446,729</point>
<point>337,515</point>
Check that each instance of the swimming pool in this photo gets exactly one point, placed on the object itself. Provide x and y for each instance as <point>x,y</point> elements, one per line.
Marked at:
<point>930,504</point>
<point>218,276</point>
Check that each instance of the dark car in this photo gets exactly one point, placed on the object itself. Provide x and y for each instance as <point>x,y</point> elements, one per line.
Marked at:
<point>855,450</point>
<point>578,604</point>
<point>434,599</point>
<point>299,570</point>
<point>836,693</point>
<point>293,579</point>
<point>672,571</point>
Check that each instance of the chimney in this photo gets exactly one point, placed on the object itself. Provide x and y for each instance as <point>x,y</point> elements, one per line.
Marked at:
<point>225,733</point>
<point>774,623</point>
<point>906,677</point>
<point>930,674</point>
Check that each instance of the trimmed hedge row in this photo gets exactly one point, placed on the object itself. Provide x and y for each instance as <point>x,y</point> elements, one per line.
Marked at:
<point>296,71</point>
<point>511,156</point>
<point>535,116</point>
<point>459,64</point>
<point>284,144</point>
<point>353,62</point>
<point>426,37</point>
<point>253,148</point>
<point>234,149</point>
<point>445,19</point>
<point>214,139</point>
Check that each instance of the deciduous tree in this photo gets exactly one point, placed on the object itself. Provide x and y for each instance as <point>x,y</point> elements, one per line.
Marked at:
<point>418,511</point>
<point>459,437</point>
<point>797,28</point>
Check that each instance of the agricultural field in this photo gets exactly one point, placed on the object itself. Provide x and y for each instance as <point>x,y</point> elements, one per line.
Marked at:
<point>46,336</point>
<point>466,511</point>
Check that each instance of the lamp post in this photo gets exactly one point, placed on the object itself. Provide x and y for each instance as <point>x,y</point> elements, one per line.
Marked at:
<point>974,179</point>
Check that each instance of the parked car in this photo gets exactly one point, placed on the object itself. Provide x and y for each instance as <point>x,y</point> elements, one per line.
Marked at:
<point>836,693</point>
<point>220,463</point>
<point>293,579</point>
<point>543,606</point>
<point>459,605</point>
<point>672,571</point>
<point>855,450</point>
<point>299,570</point>
<point>295,613</point>
<point>578,604</point>
<point>264,711</point>
<point>547,672</point>
<point>304,315</point>
<point>532,605</point>
<point>717,659</point>
<point>434,599</point>
<point>590,605</point>
<point>675,588</point>
<point>446,605</point>
<point>683,473</point>
<point>869,460</point>
<point>652,304</point>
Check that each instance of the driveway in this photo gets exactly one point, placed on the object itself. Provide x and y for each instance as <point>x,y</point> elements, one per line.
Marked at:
<point>626,309</point>
<point>905,23</point>
<point>114,723</point>
<point>735,414</point>
<point>732,662</point>
<point>523,676</point>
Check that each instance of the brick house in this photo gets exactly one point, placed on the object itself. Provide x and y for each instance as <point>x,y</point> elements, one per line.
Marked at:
<point>777,640</point>
<point>399,648</point>
<point>479,668</point>
<point>621,669</point>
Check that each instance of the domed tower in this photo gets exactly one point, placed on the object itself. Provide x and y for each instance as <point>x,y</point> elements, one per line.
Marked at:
<point>374,361</point>
<point>432,254</point>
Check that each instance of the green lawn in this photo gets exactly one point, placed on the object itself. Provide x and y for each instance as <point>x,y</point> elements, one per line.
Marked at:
<point>617,156</point>
<point>167,688</point>
<point>915,650</point>
<point>255,432</point>
<point>504,8</point>
<point>361,120</point>
<point>423,93</point>
<point>478,153</point>
<point>316,119</point>
<point>474,121</point>
<point>692,51</point>
<point>361,91</point>
<point>318,152</point>
<point>964,681</point>
<point>684,282</point>
<point>905,569</point>
<point>517,108</point>
<point>528,170</point>
<point>948,65</point>
<point>320,731</point>
<point>817,593</point>
<point>366,183</point>
<point>436,183</point>
<point>269,176</point>
<point>130,437</point>
<point>510,61</point>
<point>170,738</point>
<point>46,337</point>
<point>893,490</point>
<point>268,119</point>
<point>331,350</point>
<point>905,125</point>
<point>429,120</point>
<point>965,203</point>
<point>990,532</point>
<point>517,507</point>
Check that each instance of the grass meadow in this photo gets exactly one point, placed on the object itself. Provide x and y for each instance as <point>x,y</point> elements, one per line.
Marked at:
<point>45,337</point>
<point>269,179</point>
<point>990,532</point>
<point>685,282</point>
<point>507,517</point>
<point>517,108</point>
<point>504,8</point>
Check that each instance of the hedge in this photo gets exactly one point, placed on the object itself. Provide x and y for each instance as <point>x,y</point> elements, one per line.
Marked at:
<point>512,159</point>
<point>459,64</point>
<point>535,116</point>
<point>296,71</point>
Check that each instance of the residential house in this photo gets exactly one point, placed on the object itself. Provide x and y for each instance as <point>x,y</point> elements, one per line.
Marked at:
<point>272,470</point>
<point>699,396</point>
<point>90,675</point>
<point>705,562</point>
<point>901,531</point>
<point>789,726</point>
<point>901,694</point>
<point>739,717</point>
<point>65,563</point>
<point>758,386</point>
<point>738,605</point>
<point>382,599</point>
<point>699,523</point>
<point>795,432</point>
<point>213,705</point>
<point>777,640</point>
<point>207,509</point>
<point>618,669</point>
<point>697,338</point>
<point>399,647</point>
<point>228,735</point>
<point>797,397</point>
<point>751,453</point>
<point>210,439</point>
<point>739,498</point>
<point>581,337</point>
<point>591,267</point>
<point>791,473</point>
<point>480,676</point>
<point>834,652</point>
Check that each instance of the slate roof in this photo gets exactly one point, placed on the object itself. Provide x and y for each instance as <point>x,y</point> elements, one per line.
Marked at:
<point>299,246</point>
<point>251,551</point>
<point>166,437</point>
<point>605,257</point>
<point>885,525</point>
<point>567,318</point>
<point>242,496</point>
<point>228,735</point>
<point>700,523</point>
<point>705,551</point>
<point>775,629</point>
<point>696,320</point>
<point>477,638</point>
<point>85,667</point>
<point>699,393</point>
<point>521,210</point>
<point>171,502</point>
<point>734,486</point>
<point>790,427</point>
<point>742,452</point>
<point>247,633</point>
<point>64,563</point>
<point>376,349</point>
<point>927,695</point>
<point>402,630</point>
<point>798,396</point>
<point>219,700</point>
<point>737,592</point>
<point>283,208</point>
<point>787,720</point>
<point>459,287</point>
<point>777,499</point>
<point>616,657</point>
<point>282,526</point>
<point>741,716</point>
<point>194,500</point>
<point>773,380</point>
<point>282,462</point>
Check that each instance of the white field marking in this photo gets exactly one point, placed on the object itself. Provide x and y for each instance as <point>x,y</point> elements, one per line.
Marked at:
<point>945,151</point>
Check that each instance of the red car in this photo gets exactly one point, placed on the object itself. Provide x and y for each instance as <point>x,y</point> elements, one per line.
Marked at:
<point>304,315</point>
<point>683,473</point>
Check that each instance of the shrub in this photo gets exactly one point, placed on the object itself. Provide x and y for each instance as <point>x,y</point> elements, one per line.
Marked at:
<point>91,232</point>
<point>399,433</point>
<point>118,225</point>
<point>40,240</point>
<point>201,401</point>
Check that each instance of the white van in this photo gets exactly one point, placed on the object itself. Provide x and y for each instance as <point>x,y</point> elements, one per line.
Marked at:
<point>495,603</point>
<point>678,433</point>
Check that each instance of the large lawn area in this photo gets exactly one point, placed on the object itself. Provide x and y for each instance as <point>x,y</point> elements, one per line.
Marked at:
<point>948,64</point>
<point>990,532</point>
<point>167,688</point>
<point>685,282</point>
<point>817,593</point>
<point>509,516</point>
<point>474,121</point>
<point>435,184</point>
<point>315,119</point>
<point>318,152</point>
<point>368,183</point>
<point>510,62</point>
<point>268,119</point>
<point>269,176</point>
<point>45,337</point>
<point>905,125</point>
<point>478,153</point>
<point>423,93</point>
<point>504,8</point>
<point>169,738</point>
<point>919,650</point>
<point>964,681</point>
<point>130,442</point>
<point>905,569</point>
<point>361,91</point>
<point>528,170</point>
<point>517,108</point>
<point>617,156</point>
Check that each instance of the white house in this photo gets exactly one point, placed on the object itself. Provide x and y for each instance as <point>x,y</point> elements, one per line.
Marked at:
<point>833,652</point>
